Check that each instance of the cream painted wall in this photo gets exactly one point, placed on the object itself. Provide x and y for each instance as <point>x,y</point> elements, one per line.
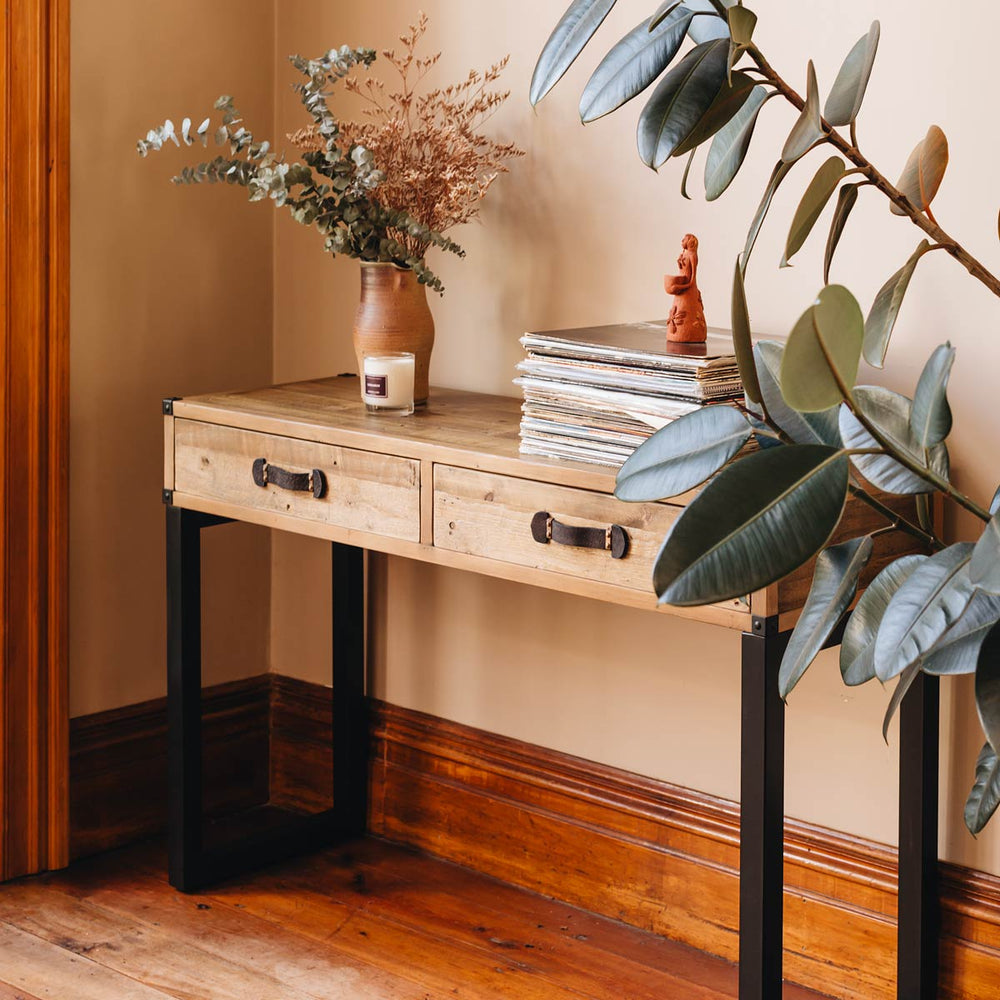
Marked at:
<point>171,295</point>
<point>580,233</point>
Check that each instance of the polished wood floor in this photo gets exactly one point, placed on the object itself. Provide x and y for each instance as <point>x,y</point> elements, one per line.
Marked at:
<point>372,921</point>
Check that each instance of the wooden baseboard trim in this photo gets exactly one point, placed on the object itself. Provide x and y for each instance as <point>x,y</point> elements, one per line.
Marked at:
<point>651,854</point>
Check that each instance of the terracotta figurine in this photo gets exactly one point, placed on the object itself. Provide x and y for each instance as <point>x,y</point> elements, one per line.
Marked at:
<point>686,324</point>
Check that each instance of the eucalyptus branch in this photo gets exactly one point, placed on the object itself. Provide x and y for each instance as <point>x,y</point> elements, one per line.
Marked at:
<point>924,221</point>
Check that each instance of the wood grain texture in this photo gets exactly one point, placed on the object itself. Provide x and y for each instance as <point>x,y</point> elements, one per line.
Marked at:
<point>34,255</point>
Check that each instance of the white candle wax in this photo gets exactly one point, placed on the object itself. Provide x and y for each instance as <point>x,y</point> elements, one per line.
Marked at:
<point>387,382</point>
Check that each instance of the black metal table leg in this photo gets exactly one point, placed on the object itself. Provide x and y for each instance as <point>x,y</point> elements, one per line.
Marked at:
<point>917,954</point>
<point>762,798</point>
<point>193,864</point>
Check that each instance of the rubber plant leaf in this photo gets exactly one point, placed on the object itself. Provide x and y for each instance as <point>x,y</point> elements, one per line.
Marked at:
<point>742,22</point>
<point>988,686</point>
<point>957,651</point>
<point>819,192</point>
<point>680,101</point>
<point>984,569</point>
<point>924,171</point>
<point>885,311</point>
<point>730,146</point>
<point>985,795</point>
<point>890,413</point>
<point>848,93</point>
<point>633,65</point>
<point>846,200</point>
<point>664,11</point>
<point>712,25</point>
<point>835,582</point>
<point>823,352</point>
<point>758,520</point>
<point>903,685</point>
<point>857,649</point>
<point>727,104</point>
<point>923,610</point>
<point>568,39</point>
<point>802,428</point>
<point>743,338</point>
<point>779,173</point>
<point>687,174</point>
<point>683,454</point>
<point>808,130</point>
<point>930,418</point>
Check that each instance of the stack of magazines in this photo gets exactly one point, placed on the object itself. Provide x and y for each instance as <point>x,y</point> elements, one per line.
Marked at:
<point>594,395</point>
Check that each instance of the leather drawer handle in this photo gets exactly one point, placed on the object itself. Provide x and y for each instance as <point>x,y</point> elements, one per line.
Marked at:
<point>313,482</point>
<point>614,539</point>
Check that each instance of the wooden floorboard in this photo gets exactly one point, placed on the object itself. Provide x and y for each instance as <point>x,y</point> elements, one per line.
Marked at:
<point>371,920</point>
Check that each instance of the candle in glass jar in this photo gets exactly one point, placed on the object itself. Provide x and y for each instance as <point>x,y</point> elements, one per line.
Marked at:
<point>387,382</point>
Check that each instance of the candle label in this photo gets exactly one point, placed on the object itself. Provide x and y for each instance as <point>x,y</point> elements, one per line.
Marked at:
<point>377,385</point>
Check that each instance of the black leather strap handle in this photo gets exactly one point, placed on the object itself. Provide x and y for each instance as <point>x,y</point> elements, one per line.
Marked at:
<point>299,482</point>
<point>614,539</point>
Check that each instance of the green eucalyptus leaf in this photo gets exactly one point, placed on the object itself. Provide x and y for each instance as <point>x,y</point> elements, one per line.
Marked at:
<point>930,419</point>
<point>885,311</point>
<point>923,610</point>
<point>988,686</point>
<point>824,347</point>
<point>835,582</point>
<point>808,130</point>
<point>680,101</point>
<point>890,413</point>
<point>819,192</point>
<point>779,173</point>
<point>743,338</point>
<point>730,145</point>
<point>957,651</point>
<point>758,520</point>
<point>569,38</point>
<point>727,104</point>
<point>848,93</point>
<point>985,795</point>
<point>857,649</point>
<point>665,9</point>
<point>802,428</point>
<point>924,171</point>
<point>683,454</point>
<point>984,569</point>
<point>633,64</point>
<point>903,685</point>
<point>846,200</point>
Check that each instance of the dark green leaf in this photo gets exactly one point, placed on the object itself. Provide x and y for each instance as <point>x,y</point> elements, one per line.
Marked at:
<point>683,454</point>
<point>680,101</point>
<point>743,338</point>
<point>835,582</point>
<point>632,65</point>
<point>985,795</point>
<point>758,520</point>
<point>820,189</point>
<point>779,173</point>
<point>567,41</point>
<point>808,130</point>
<point>890,413</point>
<point>846,201</point>
<point>730,145</point>
<point>848,93</point>
<point>802,428</point>
<point>857,649</point>
<point>984,570</point>
<point>923,609</point>
<point>988,686</point>
<point>885,311</point>
<point>727,104</point>
<point>924,171</point>
<point>957,651</point>
<point>930,419</point>
<point>905,682</point>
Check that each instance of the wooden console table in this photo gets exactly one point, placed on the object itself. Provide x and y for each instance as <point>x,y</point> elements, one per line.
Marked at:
<point>448,486</point>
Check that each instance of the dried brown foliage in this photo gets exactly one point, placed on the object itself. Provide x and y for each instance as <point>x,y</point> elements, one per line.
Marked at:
<point>437,162</point>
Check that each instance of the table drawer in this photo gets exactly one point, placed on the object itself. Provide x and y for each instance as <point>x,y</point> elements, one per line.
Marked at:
<point>491,516</point>
<point>363,491</point>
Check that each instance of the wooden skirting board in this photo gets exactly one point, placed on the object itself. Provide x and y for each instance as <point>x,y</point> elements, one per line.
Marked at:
<point>654,855</point>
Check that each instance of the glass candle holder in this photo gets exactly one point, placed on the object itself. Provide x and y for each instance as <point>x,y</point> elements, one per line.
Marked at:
<point>387,382</point>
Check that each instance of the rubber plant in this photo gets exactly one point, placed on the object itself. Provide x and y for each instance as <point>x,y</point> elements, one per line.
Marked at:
<point>823,438</point>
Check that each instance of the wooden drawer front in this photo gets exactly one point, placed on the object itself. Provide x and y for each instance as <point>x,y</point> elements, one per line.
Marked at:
<point>490,516</point>
<point>365,492</point>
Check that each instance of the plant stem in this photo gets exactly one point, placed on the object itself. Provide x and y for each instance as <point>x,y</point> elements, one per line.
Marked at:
<point>924,221</point>
<point>897,521</point>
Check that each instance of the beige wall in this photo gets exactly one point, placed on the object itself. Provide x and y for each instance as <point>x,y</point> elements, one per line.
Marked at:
<point>171,295</point>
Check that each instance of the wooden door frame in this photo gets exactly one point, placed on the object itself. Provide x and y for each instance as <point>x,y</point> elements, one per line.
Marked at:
<point>34,438</point>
